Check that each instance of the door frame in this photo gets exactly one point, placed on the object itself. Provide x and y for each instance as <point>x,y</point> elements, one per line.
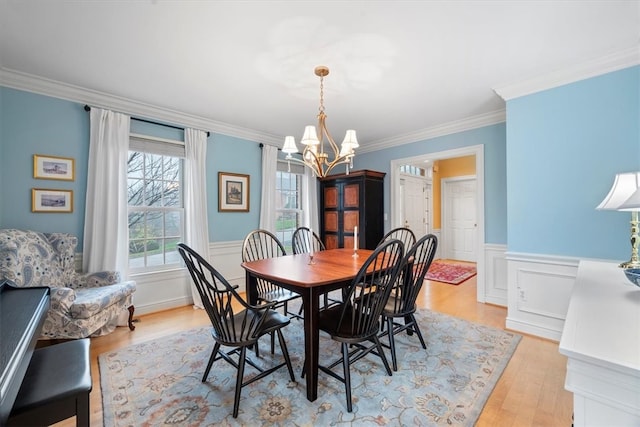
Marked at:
<point>478,151</point>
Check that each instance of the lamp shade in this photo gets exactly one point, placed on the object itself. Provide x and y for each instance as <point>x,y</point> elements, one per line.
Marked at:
<point>289,145</point>
<point>310,137</point>
<point>624,186</point>
<point>632,203</point>
<point>350,138</point>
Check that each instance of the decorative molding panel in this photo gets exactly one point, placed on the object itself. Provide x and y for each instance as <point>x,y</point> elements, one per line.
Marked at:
<point>162,290</point>
<point>496,277</point>
<point>607,64</point>
<point>538,292</point>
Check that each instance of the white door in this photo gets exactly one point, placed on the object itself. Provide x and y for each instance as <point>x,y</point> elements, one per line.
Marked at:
<point>459,218</point>
<point>413,204</point>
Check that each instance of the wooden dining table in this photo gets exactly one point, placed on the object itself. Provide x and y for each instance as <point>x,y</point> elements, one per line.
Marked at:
<point>331,269</point>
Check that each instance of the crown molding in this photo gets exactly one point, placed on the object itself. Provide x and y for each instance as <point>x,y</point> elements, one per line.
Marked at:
<point>592,68</point>
<point>469,123</point>
<point>40,85</point>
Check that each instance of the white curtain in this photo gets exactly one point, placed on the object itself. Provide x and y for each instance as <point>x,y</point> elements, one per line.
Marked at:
<point>106,229</point>
<point>195,198</point>
<point>268,199</point>
<point>310,200</point>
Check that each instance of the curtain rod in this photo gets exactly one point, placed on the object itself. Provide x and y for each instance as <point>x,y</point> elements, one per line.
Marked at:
<point>88,108</point>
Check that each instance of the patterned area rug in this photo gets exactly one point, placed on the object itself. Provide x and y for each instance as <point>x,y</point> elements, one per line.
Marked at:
<point>159,382</point>
<point>451,273</point>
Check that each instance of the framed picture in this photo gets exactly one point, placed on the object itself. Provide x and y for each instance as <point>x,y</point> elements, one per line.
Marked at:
<point>45,200</point>
<point>233,192</point>
<point>52,167</point>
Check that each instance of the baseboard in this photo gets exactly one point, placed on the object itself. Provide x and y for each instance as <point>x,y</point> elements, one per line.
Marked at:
<point>162,305</point>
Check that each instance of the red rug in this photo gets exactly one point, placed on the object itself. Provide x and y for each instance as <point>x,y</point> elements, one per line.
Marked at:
<point>453,274</point>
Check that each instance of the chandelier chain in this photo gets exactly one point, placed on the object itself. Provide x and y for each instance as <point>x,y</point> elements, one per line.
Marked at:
<point>321,108</point>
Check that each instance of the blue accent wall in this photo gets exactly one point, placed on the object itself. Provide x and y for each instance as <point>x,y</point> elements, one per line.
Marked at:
<point>36,124</point>
<point>493,138</point>
<point>546,169</point>
<point>229,154</point>
<point>564,147</point>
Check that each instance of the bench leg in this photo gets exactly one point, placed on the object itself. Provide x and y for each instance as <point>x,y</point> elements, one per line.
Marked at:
<point>83,415</point>
<point>131,310</point>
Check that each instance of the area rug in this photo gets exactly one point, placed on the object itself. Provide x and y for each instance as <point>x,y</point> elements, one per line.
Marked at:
<point>159,382</point>
<point>451,273</point>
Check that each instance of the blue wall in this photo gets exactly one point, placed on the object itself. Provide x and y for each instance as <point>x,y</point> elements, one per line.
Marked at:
<point>564,147</point>
<point>35,124</point>
<point>493,139</point>
<point>559,152</point>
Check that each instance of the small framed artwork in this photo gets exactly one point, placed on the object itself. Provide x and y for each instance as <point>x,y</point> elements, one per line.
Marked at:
<point>45,200</point>
<point>52,167</point>
<point>233,192</point>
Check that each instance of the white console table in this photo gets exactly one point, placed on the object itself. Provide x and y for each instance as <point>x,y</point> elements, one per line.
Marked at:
<point>601,338</point>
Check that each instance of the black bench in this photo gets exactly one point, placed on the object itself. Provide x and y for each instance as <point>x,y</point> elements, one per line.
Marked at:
<point>56,386</point>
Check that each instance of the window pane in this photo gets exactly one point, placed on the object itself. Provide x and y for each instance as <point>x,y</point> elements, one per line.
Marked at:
<point>155,252</point>
<point>171,251</point>
<point>154,190</point>
<point>172,194</point>
<point>173,224</point>
<point>135,192</point>
<point>154,224</point>
<point>135,165</point>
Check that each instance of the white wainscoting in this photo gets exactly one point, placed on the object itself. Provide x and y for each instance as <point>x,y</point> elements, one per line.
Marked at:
<point>226,257</point>
<point>535,288</point>
<point>437,232</point>
<point>170,289</point>
<point>496,278</point>
<point>539,289</point>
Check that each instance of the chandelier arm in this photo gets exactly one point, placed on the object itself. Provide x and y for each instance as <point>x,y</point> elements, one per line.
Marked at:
<point>314,162</point>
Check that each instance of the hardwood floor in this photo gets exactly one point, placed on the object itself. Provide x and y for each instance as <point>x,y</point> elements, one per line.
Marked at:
<point>529,393</point>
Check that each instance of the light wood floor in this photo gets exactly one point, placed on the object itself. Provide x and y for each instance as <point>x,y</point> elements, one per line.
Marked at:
<point>529,393</point>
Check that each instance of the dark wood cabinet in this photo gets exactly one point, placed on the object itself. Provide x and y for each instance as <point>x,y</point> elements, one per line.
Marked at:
<point>352,200</point>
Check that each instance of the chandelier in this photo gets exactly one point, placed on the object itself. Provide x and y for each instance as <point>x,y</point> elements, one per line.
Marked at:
<point>314,155</point>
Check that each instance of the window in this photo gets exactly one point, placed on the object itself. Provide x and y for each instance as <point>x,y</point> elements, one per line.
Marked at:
<point>289,203</point>
<point>155,203</point>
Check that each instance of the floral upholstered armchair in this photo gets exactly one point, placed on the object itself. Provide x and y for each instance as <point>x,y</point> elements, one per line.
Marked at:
<point>82,305</point>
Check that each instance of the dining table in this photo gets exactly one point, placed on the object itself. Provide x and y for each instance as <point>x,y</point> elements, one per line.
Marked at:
<point>328,270</point>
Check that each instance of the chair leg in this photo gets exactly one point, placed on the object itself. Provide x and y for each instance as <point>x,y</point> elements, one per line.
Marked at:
<point>273,344</point>
<point>382,356</point>
<point>285,353</point>
<point>347,375</point>
<point>131,309</point>
<point>392,343</point>
<point>236,399</point>
<point>416,328</point>
<point>216,348</point>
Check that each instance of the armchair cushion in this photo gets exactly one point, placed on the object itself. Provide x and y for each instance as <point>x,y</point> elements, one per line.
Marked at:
<point>81,304</point>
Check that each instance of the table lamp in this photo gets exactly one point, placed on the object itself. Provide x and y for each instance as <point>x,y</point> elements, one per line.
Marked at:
<point>625,187</point>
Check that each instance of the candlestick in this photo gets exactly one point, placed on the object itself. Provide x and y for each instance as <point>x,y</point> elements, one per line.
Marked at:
<point>355,238</point>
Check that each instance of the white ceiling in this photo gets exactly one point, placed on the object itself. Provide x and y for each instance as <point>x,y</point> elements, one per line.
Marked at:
<point>397,67</point>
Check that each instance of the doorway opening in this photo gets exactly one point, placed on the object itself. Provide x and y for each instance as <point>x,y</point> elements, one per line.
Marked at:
<point>397,202</point>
